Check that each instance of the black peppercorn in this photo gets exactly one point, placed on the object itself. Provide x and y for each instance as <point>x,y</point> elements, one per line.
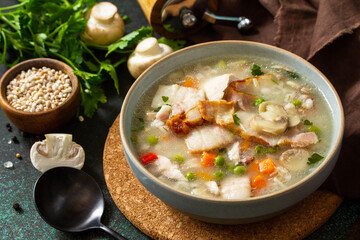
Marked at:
<point>9,128</point>
<point>14,139</point>
<point>17,207</point>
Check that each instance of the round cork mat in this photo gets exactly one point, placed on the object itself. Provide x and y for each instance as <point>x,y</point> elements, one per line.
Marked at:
<point>160,221</point>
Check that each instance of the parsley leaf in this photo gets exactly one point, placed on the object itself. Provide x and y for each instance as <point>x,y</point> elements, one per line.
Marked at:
<point>236,119</point>
<point>256,70</point>
<point>175,44</point>
<point>314,158</point>
<point>222,150</point>
<point>165,98</point>
<point>259,101</point>
<point>157,109</point>
<point>307,122</point>
<point>293,75</point>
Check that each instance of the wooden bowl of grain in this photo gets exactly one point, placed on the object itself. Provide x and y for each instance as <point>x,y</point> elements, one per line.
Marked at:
<point>39,95</point>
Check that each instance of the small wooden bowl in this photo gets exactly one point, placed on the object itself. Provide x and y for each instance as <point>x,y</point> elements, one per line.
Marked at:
<point>44,121</point>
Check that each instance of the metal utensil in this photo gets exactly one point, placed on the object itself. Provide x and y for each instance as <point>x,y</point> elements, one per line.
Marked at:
<point>179,16</point>
<point>70,200</point>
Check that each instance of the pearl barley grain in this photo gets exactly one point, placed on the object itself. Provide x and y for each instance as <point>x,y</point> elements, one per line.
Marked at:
<point>38,89</point>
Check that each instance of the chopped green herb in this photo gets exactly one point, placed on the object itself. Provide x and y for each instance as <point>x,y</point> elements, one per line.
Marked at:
<point>293,75</point>
<point>236,119</point>
<point>190,176</point>
<point>297,103</point>
<point>152,140</point>
<point>222,150</point>
<point>314,129</point>
<point>179,158</point>
<point>274,81</point>
<point>277,147</point>
<point>158,109</point>
<point>240,170</point>
<point>260,149</point>
<point>218,175</point>
<point>175,44</point>
<point>219,161</point>
<point>256,70</point>
<point>165,98</point>
<point>259,101</point>
<point>271,150</point>
<point>314,158</point>
<point>307,122</point>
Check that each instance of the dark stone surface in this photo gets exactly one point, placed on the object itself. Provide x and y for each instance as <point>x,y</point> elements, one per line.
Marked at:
<point>16,184</point>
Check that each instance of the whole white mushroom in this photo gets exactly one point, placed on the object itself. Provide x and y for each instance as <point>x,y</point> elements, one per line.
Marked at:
<point>147,52</point>
<point>55,151</point>
<point>104,25</point>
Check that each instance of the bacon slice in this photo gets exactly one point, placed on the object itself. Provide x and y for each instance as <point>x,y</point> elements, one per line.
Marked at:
<point>220,112</point>
<point>244,101</point>
<point>207,138</point>
<point>182,124</point>
<point>214,87</point>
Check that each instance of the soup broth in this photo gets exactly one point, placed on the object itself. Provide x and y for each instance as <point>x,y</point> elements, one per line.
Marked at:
<point>233,128</point>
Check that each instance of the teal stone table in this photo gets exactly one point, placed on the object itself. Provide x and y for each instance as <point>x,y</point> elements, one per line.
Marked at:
<point>16,184</point>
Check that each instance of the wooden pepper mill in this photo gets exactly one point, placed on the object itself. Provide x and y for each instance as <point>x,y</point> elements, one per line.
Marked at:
<point>177,18</point>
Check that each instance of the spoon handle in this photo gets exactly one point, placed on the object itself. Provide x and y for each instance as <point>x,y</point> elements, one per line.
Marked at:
<point>111,232</point>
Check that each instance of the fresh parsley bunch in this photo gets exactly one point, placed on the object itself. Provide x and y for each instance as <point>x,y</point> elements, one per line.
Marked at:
<point>42,28</point>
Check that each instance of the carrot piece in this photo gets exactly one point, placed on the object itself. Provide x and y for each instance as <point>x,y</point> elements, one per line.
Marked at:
<point>207,159</point>
<point>166,138</point>
<point>245,145</point>
<point>204,175</point>
<point>267,166</point>
<point>258,182</point>
<point>254,166</point>
<point>190,82</point>
<point>148,158</point>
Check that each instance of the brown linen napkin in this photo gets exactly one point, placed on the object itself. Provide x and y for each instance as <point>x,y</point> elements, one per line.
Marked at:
<point>325,32</point>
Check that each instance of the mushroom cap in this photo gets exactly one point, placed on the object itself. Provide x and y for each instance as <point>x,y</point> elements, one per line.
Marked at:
<point>147,52</point>
<point>104,25</point>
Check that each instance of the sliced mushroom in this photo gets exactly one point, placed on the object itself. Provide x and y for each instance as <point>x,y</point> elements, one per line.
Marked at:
<point>295,159</point>
<point>262,125</point>
<point>272,118</point>
<point>55,151</point>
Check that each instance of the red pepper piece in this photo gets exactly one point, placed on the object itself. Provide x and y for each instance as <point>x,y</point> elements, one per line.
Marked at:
<point>148,158</point>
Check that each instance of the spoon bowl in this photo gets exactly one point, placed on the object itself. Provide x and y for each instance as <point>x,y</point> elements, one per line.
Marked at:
<point>70,200</point>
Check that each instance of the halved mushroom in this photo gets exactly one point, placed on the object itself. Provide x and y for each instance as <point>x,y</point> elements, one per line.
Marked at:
<point>272,118</point>
<point>55,151</point>
<point>295,159</point>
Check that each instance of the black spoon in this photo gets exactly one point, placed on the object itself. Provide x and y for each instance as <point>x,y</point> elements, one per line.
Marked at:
<point>70,200</point>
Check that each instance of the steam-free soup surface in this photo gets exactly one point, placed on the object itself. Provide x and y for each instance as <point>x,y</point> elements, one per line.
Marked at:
<point>233,128</point>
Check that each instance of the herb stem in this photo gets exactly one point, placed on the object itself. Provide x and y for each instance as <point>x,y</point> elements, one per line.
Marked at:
<point>13,6</point>
<point>66,60</point>
<point>90,52</point>
<point>5,47</point>
<point>8,22</point>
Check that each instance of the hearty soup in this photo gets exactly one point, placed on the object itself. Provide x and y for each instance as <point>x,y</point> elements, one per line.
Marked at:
<point>232,129</point>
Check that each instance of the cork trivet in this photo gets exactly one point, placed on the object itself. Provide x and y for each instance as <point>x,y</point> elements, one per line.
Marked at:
<point>160,221</point>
